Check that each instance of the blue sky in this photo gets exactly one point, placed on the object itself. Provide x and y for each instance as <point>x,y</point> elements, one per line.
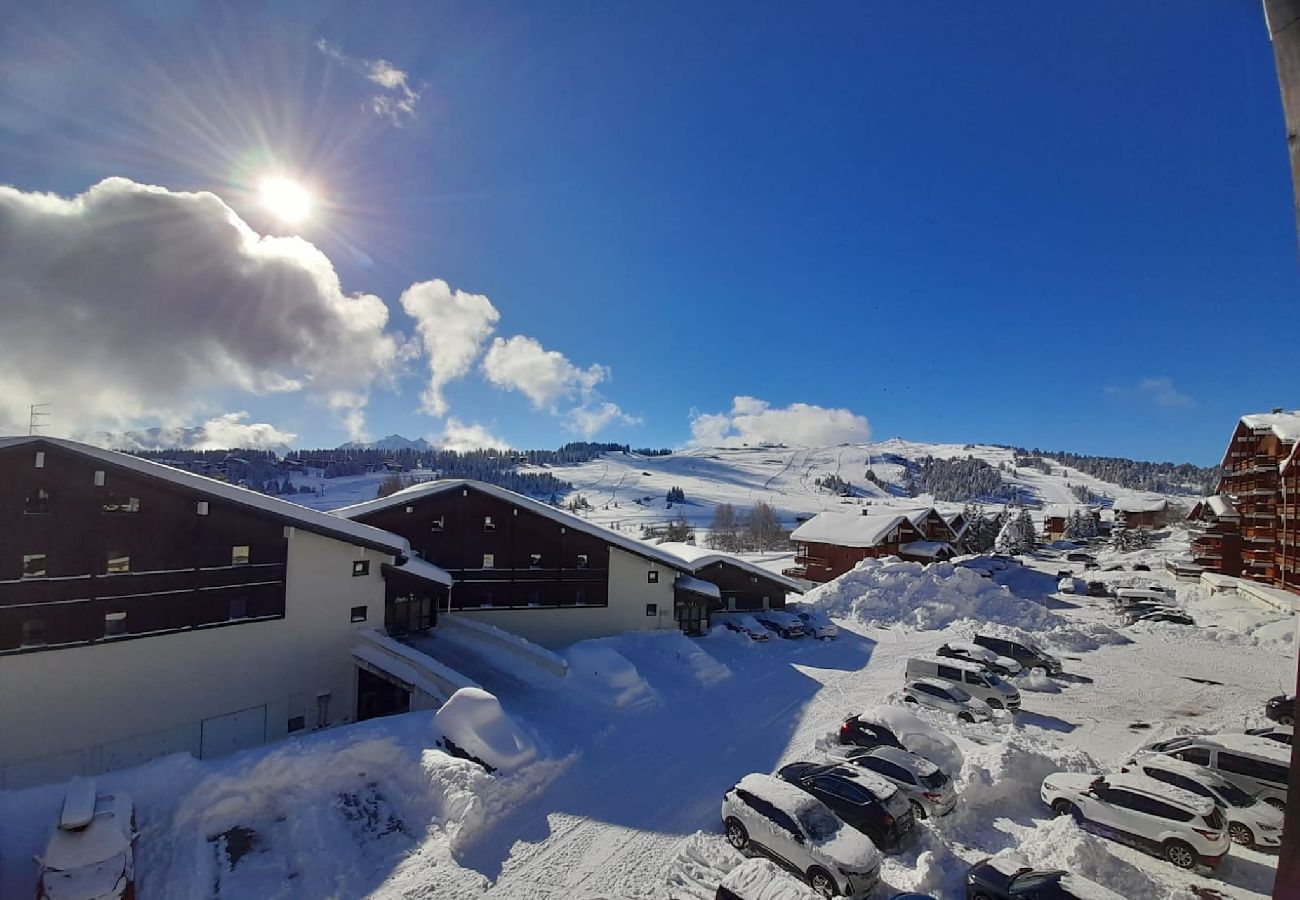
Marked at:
<point>1039,226</point>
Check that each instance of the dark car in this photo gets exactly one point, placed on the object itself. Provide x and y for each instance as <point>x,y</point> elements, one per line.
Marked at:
<point>863,800</point>
<point>1028,657</point>
<point>867,734</point>
<point>1078,557</point>
<point>1172,616</point>
<point>1281,709</point>
<point>1096,565</point>
<point>1098,589</point>
<point>994,881</point>
<point>1141,567</point>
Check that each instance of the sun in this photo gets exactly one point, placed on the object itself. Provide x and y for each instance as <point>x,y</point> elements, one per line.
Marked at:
<point>286,199</point>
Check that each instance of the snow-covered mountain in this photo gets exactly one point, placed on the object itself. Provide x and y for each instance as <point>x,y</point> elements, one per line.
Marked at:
<point>391,442</point>
<point>198,437</point>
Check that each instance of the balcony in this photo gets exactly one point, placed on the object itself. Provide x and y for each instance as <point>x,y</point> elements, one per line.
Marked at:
<point>812,561</point>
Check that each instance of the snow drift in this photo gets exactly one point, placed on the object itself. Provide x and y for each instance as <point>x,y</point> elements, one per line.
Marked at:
<point>608,675</point>
<point>1004,778</point>
<point>1061,844</point>
<point>473,721</point>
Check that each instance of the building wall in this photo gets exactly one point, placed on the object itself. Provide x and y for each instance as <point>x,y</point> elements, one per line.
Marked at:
<point>113,704</point>
<point>630,592</point>
<point>748,590</point>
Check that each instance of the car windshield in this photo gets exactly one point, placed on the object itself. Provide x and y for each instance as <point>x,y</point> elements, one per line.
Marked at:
<point>991,678</point>
<point>1026,881</point>
<point>1233,795</point>
<point>958,694</point>
<point>820,823</point>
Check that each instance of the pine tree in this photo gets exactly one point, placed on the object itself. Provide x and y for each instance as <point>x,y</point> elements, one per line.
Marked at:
<point>1028,535</point>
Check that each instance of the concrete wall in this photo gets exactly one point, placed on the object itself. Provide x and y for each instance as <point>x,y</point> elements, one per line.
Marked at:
<point>116,704</point>
<point>629,593</point>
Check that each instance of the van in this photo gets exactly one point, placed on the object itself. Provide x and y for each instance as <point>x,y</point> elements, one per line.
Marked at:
<point>1030,656</point>
<point>1125,596</point>
<point>977,680</point>
<point>1258,766</point>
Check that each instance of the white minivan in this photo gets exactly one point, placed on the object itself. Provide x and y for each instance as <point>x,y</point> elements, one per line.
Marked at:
<point>979,681</point>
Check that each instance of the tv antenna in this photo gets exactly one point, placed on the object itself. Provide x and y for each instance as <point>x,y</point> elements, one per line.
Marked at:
<point>35,413</point>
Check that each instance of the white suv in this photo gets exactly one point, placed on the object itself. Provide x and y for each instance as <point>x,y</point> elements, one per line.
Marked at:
<point>950,698</point>
<point>1180,826</point>
<point>1251,821</point>
<point>797,830</point>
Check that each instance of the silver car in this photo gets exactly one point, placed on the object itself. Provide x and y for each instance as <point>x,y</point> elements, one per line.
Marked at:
<point>926,787</point>
<point>947,697</point>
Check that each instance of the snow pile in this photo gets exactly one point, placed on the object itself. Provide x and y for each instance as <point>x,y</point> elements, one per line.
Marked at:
<point>884,592</point>
<point>670,654</point>
<point>472,720</point>
<point>606,674</point>
<point>1035,680</point>
<point>917,736</point>
<point>1004,778</point>
<point>762,879</point>
<point>694,873</point>
<point>1061,844</point>
<point>1069,636</point>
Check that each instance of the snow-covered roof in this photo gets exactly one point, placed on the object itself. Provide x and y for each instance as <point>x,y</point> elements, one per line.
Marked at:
<point>1066,510</point>
<point>699,586</point>
<point>291,513</point>
<point>847,529</point>
<point>420,568</point>
<point>1140,504</point>
<point>1221,506</point>
<point>569,520</point>
<point>1286,425</point>
<point>917,517</point>
<point>697,558</point>
<point>928,549</point>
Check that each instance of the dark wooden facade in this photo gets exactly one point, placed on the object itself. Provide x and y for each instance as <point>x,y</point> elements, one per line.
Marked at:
<point>825,562</point>
<point>742,589</point>
<point>66,524</point>
<point>535,561</point>
<point>1251,478</point>
<point>1215,540</point>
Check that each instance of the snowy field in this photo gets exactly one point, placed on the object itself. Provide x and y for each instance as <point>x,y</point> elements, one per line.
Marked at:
<point>638,743</point>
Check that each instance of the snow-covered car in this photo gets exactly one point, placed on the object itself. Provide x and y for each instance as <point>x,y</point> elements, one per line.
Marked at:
<point>1184,828</point>
<point>1010,878</point>
<point>778,621</point>
<point>742,623</point>
<point>778,819</point>
<point>860,798</point>
<point>90,853</point>
<point>1258,766</point>
<point>1251,822</point>
<point>1024,651</point>
<point>1126,597</point>
<point>854,731</point>
<point>947,698</point>
<point>975,678</point>
<point>818,624</point>
<point>1003,665</point>
<point>474,727</point>
<point>1168,616</point>
<point>927,789</point>
<point>1098,589</point>
<point>1283,734</point>
<point>762,879</point>
<point>1071,585</point>
<point>914,735</point>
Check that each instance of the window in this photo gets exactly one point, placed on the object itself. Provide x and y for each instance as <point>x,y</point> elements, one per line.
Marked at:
<point>582,560</point>
<point>488,524</point>
<point>322,709</point>
<point>753,579</point>
<point>33,632</point>
<point>116,504</point>
<point>889,770</point>
<point>37,503</point>
<point>238,608</point>
<point>239,555</point>
<point>1252,768</point>
<point>297,723</point>
<point>534,560</point>
<point>438,524</point>
<point>201,507</point>
<point>580,597</point>
<point>1198,755</point>
<point>99,478</point>
<point>950,673</point>
<point>360,567</point>
<point>34,565</point>
<point>652,577</point>
<point>489,561</point>
<point>487,599</point>
<point>118,562</point>
<point>40,459</point>
<point>359,613</point>
<point>652,609</point>
<point>114,623</point>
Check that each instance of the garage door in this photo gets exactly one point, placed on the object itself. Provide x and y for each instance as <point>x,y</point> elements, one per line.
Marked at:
<point>233,731</point>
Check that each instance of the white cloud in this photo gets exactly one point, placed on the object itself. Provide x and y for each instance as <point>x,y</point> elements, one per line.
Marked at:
<point>754,421</point>
<point>464,436</point>
<point>133,302</point>
<point>398,104</point>
<point>544,376</point>
<point>230,430</point>
<point>452,326</point>
<point>588,420</point>
<point>1161,391</point>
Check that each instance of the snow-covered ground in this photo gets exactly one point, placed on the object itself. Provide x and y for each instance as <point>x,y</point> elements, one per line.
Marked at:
<point>638,743</point>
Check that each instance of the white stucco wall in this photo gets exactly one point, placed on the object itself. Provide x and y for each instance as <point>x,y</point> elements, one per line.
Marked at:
<point>115,704</point>
<point>629,592</point>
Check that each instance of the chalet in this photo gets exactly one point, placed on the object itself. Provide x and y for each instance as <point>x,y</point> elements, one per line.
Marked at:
<point>960,528</point>
<point>538,571</point>
<point>1057,518</point>
<point>832,543</point>
<point>146,610</point>
<point>742,584</point>
<point>1141,513</point>
<point>1216,535</point>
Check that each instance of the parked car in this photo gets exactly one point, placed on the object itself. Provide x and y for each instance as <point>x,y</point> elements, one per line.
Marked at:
<point>90,853</point>
<point>1141,567</point>
<point>1182,827</point>
<point>1251,822</point>
<point>778,621</point>
<point>1095,565</point>
<point>1079,556</point>
<point>1258,766</point>
<point>1126,597</point>
<point>1009,878</point>
<point>929,791</point>
<point>1281,709</point>
<point>867,734</point>
<point>1003,665</point>
<point>1283,734</point>
<point>1172,616</point>
<point>744,624</point>
<point>978,680</point>
<point>818,624</point>
<point>761,879</point>
<point>946,697</point>
<point>798,831</point>
<point>862,799</point>
<point>1029,655</point>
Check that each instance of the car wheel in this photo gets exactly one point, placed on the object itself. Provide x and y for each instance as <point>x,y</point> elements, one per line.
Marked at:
<point>822,882</point>
<point>1180,854</point>
<point>1275,803</point>
<point>737,836</point>
<point>917,809</point>
<point>966,717</point>
<point>1064,807</point>
<point>994,704</point>
<point>1286,720</point>
<point>910,699</point>
<point>1241,834</point>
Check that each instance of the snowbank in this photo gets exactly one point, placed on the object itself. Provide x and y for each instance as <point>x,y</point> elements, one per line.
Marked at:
<point>1035,680</point>
<point>608,675</point>
<point>668,655</point>
<point>1068,636</point>
<point>762,879</point>
<point>917,736</point>
<point>474,721</point>
<point>1061,844</point>
<point>1004,778</point>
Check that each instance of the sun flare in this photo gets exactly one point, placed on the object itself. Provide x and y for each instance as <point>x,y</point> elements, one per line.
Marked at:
<point>286,199</point>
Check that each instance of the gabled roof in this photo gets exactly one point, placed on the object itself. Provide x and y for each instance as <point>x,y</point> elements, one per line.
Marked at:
<point>209,488</point>
<point>847,529</point>
<point>696,559</point>
<point>569,520</point>
<point>1140,504</point>
<point>693,585</point>
<point>1285,425</point>
<point>1221,506</point>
